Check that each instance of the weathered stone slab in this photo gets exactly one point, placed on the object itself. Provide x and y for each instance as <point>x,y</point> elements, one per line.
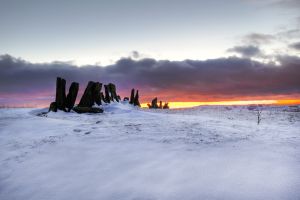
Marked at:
<point>71,97</point>
<point>87,99</point>
<point>107,96</point>
<point>136,99</point>
<point>131,101</point>
<point>60,98</point>
<point>97,93</point>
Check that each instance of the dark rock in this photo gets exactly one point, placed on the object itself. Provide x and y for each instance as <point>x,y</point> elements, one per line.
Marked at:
<point>102,97</point>
<point>131,101</point>
<point>97,94</point>
<point>113,92</point>
<point>166,105</point>
<point>87,99</point>
<point>53,107</point>
<point>154,103</point>
<point>79,109</point>
<point>107,97</point>
<point>71,97</point>
<point>160,105</point>
<point>60,98</point>
<point>136,99</point>
<point>126,99</point>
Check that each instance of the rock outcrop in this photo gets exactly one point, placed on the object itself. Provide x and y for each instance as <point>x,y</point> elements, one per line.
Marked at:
<point>131,100</point>
<point>136,101</point>
<point>154,104</point>
<point>88,97</point>
<point>72,95</point>
<point>63,102</point>
<point>92,95</point>
<point>134,98</point>
<point>60,97</point>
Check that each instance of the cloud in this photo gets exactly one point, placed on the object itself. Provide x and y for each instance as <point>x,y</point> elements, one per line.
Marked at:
<point>295,4</point>
<point>295,45</point>
<point>258,39</point>
<point>135,54</point>
<point>189,80</point>
<point>290,4</point>
<point>246,51</point>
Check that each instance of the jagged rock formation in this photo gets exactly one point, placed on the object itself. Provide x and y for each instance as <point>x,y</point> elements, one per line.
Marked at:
<point>131,96</point>
<point>134,98</point>
<point>160,105</point>
<point>136,101</point>
<point>71,97</point>
<point>107,97</point>
<point>63,102</point>
<point>88,97</point>
<point>154,104</point>
<point>166,105</point>
<point>113,93</point>
<point>97,93</point>
<point>60,98</point>
<point>92,95</point>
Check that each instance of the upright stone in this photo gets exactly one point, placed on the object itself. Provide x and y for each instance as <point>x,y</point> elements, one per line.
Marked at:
<point>60,98</point>
<point>97,93</point>
<point>87,99</point>
<point>107,97</point>
<point>154,103</point>
<point>136,99</point>
<point>102,97</point>
<point>71,97</point>
<point>166,105</point>
<point>131,101</point>
<point>113,92</point>
<point>160,105</point>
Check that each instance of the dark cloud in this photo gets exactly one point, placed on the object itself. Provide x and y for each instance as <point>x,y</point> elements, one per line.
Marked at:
<point>295,46</point>
<point>246,51</point>
<point>171,80</point>
<point>289,3</point>
<point>258,39</point>
<point>135,54</point>
<point>289,34</point>
<point>294,4</point>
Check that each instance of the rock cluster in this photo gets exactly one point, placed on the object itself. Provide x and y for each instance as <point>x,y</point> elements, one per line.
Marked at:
<point>63,102</point>
<point>134,98</point>
<point>155,105</point>
<point>92,95</point>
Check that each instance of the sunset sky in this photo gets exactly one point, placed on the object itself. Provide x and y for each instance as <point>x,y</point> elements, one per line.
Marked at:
<point>179,51</point>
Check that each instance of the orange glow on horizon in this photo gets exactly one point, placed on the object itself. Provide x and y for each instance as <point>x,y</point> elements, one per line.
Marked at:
<point>227,103</point>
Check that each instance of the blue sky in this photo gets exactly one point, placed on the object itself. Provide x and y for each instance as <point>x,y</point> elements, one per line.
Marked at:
<point>89,32</point>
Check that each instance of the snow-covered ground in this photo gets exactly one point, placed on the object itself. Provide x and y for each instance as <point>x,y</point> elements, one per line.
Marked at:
<point>212,152</point>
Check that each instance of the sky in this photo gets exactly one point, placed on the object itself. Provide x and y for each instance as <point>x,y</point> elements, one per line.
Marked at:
<point>191,50</point>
